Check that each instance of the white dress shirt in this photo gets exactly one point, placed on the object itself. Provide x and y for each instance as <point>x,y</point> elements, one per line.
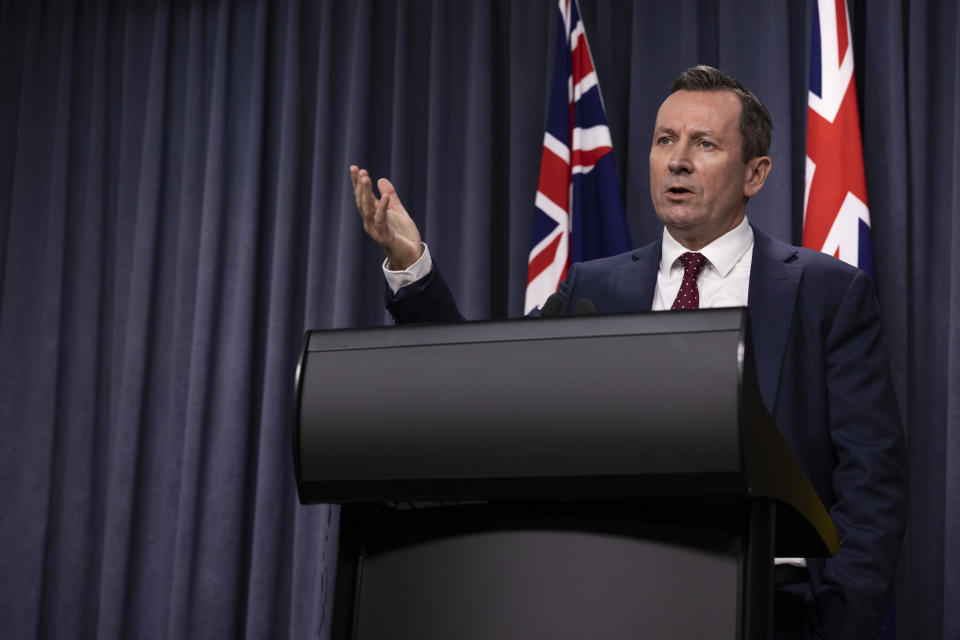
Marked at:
<point>725,278</point>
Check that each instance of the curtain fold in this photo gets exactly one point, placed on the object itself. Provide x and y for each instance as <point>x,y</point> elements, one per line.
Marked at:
<point>175,212</point>
<point>951,560</point>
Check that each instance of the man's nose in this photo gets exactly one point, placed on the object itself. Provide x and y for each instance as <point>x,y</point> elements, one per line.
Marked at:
<point>679,161</point>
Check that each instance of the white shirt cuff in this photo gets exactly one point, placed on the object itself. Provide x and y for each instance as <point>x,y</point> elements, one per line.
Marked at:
<point>797,562</point>
<point>419,269</point>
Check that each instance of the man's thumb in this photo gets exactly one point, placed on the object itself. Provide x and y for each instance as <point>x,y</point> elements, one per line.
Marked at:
<point>386,187</point>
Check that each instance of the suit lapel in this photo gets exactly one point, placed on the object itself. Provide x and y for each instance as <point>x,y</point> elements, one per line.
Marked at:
<point>774,282</point>
<point>634,282</point>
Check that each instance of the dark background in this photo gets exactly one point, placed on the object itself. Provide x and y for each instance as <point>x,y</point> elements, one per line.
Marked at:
<point>175,211</point>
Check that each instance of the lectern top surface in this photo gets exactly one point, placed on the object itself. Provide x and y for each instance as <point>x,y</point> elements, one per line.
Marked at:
<point>529,328</point>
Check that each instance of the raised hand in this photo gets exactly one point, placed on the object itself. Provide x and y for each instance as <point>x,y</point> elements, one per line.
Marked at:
<point>386,220</point>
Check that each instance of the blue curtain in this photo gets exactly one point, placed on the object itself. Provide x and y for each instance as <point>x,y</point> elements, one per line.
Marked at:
<point>175,211</point>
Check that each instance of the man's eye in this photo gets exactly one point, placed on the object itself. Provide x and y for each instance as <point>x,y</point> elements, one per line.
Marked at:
<point>707,144</point>
<point>663,140</point>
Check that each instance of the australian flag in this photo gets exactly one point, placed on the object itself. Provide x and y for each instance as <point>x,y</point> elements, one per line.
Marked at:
<point>579,212</point>
<point>836,219</point>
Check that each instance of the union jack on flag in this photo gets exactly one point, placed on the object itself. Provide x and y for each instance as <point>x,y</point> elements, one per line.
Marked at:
<point>836,219</point>
<point>579,212</point>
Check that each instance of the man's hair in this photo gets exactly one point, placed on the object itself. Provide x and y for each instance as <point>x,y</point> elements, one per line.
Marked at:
<point>756,125</point>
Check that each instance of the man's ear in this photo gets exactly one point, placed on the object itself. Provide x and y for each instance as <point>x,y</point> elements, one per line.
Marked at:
<point>757,170</point>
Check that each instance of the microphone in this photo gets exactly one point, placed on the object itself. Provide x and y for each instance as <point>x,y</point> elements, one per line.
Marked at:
<point>552,306</point>
<point>585,307</point>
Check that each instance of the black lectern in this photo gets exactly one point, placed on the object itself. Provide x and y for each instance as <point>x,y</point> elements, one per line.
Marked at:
<point>607,476</point>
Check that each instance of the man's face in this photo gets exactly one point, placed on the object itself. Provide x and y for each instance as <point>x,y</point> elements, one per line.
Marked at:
<point>698,180</point>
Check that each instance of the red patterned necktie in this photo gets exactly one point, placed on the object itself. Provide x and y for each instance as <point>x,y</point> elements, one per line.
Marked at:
<point>689,296</point>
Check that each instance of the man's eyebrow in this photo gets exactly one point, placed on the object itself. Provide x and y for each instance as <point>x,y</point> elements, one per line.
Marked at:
<point>702,133</point>
<point>694,133</point>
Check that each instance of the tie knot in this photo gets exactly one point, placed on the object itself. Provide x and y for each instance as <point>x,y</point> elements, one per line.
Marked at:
<point>693,263</point>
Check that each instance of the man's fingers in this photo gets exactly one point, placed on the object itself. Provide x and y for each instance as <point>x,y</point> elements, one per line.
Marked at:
<point>356,173</point>
<point>355,180</point>
<point>358,194</point>
<point>366,201</point>
<point>380,211</point>
<point>387,192</point>
<point>385,219</point>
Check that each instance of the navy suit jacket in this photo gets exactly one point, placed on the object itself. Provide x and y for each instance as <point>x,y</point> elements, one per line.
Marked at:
<point>823,374</point>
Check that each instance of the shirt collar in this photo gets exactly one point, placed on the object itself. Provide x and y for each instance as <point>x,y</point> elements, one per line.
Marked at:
<point>723,253</point>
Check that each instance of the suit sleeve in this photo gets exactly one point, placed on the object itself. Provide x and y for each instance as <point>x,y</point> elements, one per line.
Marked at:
<point>430,299</point>
<point>869,477</point>
<point>426,300</point>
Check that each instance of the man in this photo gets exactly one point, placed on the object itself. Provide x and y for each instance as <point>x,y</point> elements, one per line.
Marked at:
<point>820,358</point>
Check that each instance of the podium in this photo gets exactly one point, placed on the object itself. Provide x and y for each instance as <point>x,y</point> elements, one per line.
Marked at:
<point>610,476</point>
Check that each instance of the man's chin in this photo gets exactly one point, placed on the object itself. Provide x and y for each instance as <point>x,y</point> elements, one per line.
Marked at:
<point>678,216</point>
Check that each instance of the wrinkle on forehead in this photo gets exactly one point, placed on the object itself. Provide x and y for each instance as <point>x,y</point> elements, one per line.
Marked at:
<point>699,113</point>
